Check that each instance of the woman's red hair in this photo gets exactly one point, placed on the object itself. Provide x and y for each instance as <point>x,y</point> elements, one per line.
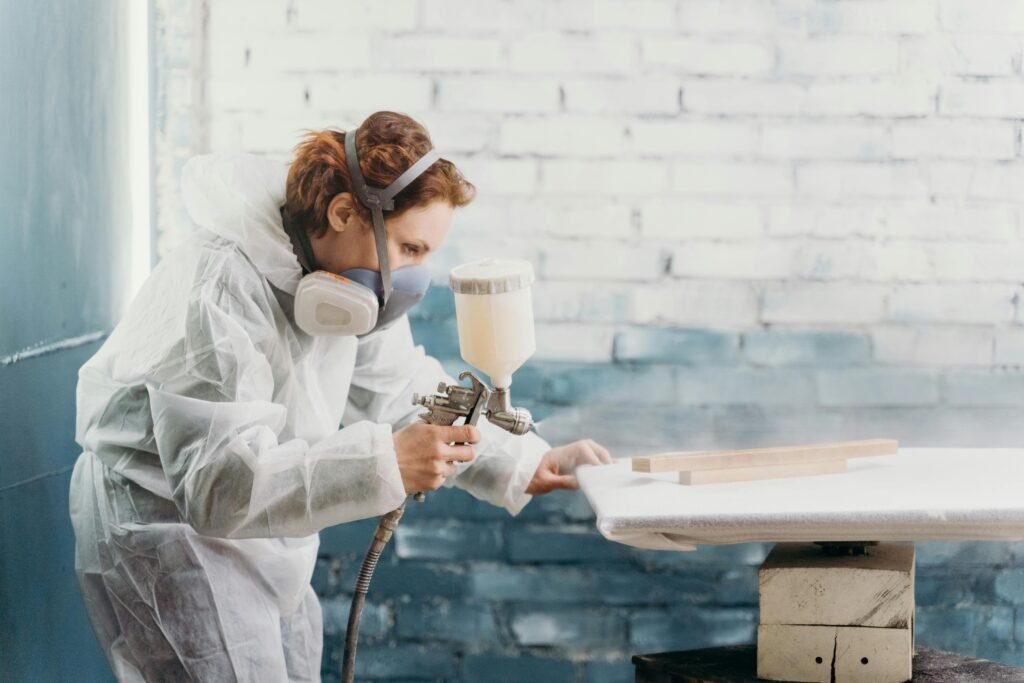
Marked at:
<point>387,144</point>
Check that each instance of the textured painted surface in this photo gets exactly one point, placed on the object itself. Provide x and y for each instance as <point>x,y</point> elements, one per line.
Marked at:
<point>64,221</point>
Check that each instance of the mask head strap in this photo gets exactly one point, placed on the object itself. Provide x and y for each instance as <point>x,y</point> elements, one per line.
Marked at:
<point>299,236</point>
<point>378,200</point>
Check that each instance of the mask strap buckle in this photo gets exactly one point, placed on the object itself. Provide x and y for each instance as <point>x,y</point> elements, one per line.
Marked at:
<point>379,200</point>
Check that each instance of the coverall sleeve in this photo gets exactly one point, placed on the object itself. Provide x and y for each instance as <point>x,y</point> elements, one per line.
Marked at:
<point>390,368</point>
<point>233,469</point>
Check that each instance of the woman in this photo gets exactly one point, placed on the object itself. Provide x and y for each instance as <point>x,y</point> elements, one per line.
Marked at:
<point>210,421</point>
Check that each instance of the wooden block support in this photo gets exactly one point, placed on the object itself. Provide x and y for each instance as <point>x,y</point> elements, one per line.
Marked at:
<point>847,618</point>
<point>728,474</point>
<point>799,584</point>
<point>857,654</point>
<point>783,455</point>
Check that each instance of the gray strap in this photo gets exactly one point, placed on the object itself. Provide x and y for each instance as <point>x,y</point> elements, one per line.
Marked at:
<point>411,173</point>
<point>380,237</point>
<point>356,175</point>
<point>379,200</point>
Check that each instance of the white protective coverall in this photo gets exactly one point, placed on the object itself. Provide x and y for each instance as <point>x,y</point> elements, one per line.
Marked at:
<point>214,449</point>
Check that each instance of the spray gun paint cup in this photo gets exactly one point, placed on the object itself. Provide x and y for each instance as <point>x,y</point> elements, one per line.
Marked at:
<point>494,307</point>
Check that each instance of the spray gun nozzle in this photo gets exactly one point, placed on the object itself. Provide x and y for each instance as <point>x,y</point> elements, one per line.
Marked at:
<point>454,401</point>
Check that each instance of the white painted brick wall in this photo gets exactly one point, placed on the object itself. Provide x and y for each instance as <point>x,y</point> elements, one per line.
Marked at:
<point>811,164</point>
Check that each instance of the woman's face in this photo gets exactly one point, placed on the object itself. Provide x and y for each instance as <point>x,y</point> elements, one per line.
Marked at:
<point>412,236</point>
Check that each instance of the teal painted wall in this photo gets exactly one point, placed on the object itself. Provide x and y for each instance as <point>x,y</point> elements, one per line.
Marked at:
<point>64,229</point>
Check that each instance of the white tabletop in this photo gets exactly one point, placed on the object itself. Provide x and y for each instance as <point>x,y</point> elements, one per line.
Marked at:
<point>916,495</point>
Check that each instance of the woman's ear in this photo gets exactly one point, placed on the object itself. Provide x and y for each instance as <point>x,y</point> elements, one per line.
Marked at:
<point>341,212</point>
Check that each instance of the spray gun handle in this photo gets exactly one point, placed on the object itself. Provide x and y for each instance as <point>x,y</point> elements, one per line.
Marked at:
<point>450,403</point>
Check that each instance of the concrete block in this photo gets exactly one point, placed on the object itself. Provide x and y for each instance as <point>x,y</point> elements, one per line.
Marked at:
<point>876,387</point>
<point>1003,16</point>
<point>571,545</point>
<point>1010,585</point>
<point>996,100</point>
<point>655,630</point>
<point>501,176</point>
<point>760,259</point>
<point>398,578</point>
<point>807,303</point>
<point>692,139</point>
<point>799,584</point>
<point>608,672</point>
<point>959,54</point>
<point>933,345</point>
<point>682,220</point>
<point>440,338</point>
<point>977,262</point>
<point>839,56</point>
<point>474,16</point>
<point>405,661</point>
<point>949,586</point>
<point>891,98</point>
<point>449,542</point>
<point>454,621</point>
<point>675,346</point>
<point>963,628</point>
<point>551,584</point>
<point>562,136</point>
<point>529,95</point>
<point>551,52</point>
<point>839,181</point>
<point>981,303</point>
<point>834,653</point>
<point>574,628</point>
<point>968,555</point>
<point>796,653</point>
<point>601,384</point>
<point>953,139</point>
<point>644,15</point>
<point>636,95</point>
<point>744,386</point>
<point>697,303</point>
<point>703,56</point>
<point>783,348</point>
<point>424,52</point>
<point>578,342</point>
<point>590,261</point>
<point>375,621</point>
<point>585,178</point>
<point>733,179</point>
<point>1009,347</point>
<point>501,668</point>
<point>856,141</point>
<point>980,388</point>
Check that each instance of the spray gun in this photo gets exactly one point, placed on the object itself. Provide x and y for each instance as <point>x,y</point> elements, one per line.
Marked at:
<point>453,401</point>
<point>495,318</point>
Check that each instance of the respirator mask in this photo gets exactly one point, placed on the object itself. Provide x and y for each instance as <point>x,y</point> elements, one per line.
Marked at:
<point>358,301</point>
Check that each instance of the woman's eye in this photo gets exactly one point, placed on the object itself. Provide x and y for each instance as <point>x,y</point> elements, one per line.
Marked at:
<point>411,249</point>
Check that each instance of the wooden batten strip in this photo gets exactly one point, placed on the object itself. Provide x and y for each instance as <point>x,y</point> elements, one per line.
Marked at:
<point>753,457</point>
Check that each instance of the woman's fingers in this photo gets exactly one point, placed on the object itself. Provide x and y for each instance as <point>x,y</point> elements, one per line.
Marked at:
<point>602,452</point>
<point>561,481</point>
<point>460,434</point>
<point>588,454</point>
<point>457,453</point>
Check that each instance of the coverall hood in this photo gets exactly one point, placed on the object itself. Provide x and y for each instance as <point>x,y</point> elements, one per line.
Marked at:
<point>238,196</point>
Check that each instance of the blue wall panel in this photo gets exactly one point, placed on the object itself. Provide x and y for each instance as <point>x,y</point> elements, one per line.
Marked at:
<point>64,230</point>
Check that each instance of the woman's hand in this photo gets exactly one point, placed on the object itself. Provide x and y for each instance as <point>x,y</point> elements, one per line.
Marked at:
<point>557,466</point>
<point>425,454</point>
